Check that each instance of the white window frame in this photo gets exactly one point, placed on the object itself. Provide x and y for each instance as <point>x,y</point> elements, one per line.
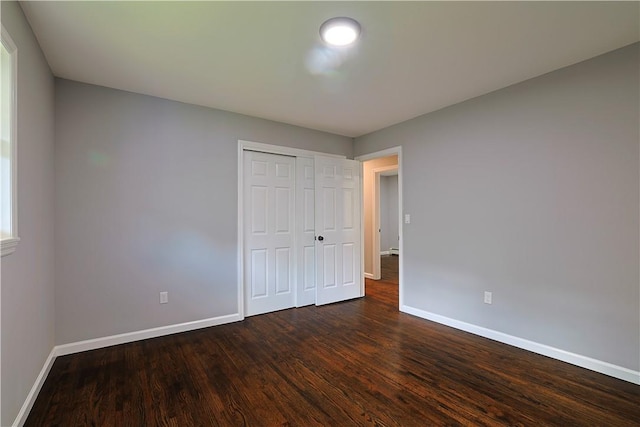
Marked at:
<point>9,243</point>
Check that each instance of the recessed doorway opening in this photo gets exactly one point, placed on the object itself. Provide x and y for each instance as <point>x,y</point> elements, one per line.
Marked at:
<point>382,212</point>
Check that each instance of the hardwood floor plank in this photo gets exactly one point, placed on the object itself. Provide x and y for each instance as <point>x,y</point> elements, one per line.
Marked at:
<point>389,268</point>
<point>360,362</point>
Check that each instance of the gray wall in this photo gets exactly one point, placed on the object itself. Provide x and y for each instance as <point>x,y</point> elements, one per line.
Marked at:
<point>27,290</point>
<point>530,192</point>
<point>146,201</point>
<point>388,212</point>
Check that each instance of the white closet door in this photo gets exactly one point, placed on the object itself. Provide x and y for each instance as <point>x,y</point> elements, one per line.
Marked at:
<point>305,232</point>
<point>338,263</point>
<point>269,219</point>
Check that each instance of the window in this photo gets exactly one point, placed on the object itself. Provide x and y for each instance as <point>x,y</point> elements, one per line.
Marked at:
<point>8,206</point>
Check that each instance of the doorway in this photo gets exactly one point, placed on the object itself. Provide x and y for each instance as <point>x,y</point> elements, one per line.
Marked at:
<point>389,248</point>
<point>382,219</point>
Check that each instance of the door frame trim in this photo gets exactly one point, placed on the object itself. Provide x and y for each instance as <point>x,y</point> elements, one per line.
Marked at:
<point>397,150</point>
<point>270,149</point>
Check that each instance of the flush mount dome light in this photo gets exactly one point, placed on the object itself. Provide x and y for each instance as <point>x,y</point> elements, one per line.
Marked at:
<point>340,31</point>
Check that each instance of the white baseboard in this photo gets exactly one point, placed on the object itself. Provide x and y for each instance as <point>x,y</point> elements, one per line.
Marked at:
<point>92,344</point>
<point>555,353</point>
<point>77,347</point>
<point>21,418</point>
<point>394,251</point>
<point>369,276</point>
<point>384,253</point>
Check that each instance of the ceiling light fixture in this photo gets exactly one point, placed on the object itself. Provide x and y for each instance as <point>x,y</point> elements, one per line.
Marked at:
<point>340,31</point>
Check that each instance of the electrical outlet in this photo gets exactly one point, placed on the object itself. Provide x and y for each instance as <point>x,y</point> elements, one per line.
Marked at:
<point>487,297</point>
<point>164,297</point>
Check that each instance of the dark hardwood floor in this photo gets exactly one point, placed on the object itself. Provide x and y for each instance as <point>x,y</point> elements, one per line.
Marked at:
<point>389,268</point>
<point>359,362</point>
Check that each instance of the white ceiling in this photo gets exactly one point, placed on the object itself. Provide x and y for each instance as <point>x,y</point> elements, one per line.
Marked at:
<point>255,58</point>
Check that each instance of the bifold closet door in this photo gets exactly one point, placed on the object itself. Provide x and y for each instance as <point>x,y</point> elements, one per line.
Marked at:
<point>338,231</point>
<point>305,231</point>
<point>269,232</point>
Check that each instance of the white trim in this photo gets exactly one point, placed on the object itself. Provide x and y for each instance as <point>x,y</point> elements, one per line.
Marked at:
<point>240,254</point>
<point>383,253</point>
<point>400,230</point>
<point>21,418</point>
<point>128,337</point>
<point>385,153</point>
<point>543,349</point>
<point>382,153</point>
<point>9,244</point>
<point>279,149</point>
<point>363,274</point>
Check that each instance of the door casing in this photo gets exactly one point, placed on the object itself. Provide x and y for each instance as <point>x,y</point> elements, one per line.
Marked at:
<point>385,153</point>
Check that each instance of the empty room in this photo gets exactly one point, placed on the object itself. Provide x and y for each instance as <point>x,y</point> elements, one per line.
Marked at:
<point>320,213</point>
